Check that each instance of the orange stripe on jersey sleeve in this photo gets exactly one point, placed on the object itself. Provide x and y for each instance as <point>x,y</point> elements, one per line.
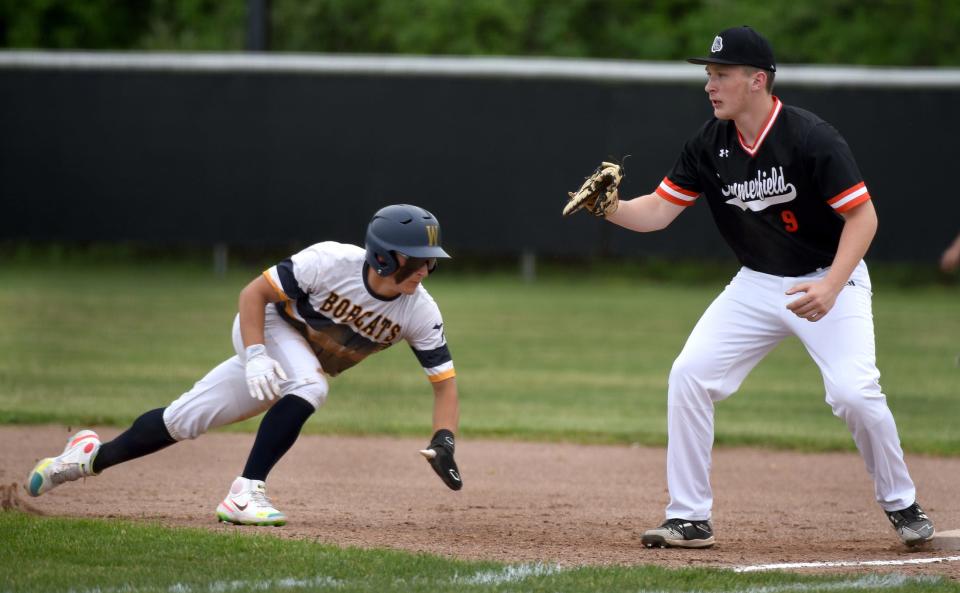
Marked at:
<point>442,376</point>
<point>277,289</point>
<point>850,198</point>
<point>854,203</point>
<point>846,193</point>
<point>675,194</point>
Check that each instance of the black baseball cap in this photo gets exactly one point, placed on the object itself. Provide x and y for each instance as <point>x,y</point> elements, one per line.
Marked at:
<point>740,46</point>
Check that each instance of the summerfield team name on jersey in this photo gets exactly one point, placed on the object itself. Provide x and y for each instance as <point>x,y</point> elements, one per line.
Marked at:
<point>380,328</point>
<point>760,192</point>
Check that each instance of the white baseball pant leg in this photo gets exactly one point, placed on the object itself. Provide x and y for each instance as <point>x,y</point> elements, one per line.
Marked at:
<point>222,396</point>
<point>739,328</point>
<point>735,332</point>
<point>842,344</point>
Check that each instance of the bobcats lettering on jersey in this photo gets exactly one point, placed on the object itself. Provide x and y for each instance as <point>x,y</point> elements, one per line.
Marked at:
<point>325,296</point>
<point>355,315</point>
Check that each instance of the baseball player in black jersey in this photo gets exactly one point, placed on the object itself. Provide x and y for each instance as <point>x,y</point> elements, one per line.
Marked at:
<point>312,316</point>
<point>787,196</point>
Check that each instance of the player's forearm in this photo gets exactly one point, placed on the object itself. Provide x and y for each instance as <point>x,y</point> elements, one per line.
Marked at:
<point>645,213</point>
<point>251,306</point>
<point>446,405</point>
<point>858,232</point>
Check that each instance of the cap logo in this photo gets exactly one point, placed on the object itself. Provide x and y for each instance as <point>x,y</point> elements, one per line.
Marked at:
<point>717,44</point>
<point>433,235</point>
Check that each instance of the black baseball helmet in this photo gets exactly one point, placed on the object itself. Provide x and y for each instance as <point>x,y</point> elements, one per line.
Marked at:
<point>405,229</point>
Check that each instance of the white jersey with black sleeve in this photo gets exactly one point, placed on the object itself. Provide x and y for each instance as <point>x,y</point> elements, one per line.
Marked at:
<point>325,296</point>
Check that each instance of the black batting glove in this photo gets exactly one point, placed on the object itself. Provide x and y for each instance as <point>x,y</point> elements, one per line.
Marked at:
<point>439,453</point>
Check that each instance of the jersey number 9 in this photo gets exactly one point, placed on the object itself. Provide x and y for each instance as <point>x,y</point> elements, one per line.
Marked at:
<point>789,221</point>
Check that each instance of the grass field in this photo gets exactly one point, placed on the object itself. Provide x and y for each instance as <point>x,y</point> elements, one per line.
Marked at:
<point>569,357</point>
<point>80,556</point>
<point>565,358</point>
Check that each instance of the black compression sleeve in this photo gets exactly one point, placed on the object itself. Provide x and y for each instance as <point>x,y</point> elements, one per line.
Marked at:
<point>278,431</point>
<point>148,434</point>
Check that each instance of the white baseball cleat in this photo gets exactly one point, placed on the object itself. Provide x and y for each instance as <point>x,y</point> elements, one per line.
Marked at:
<point>247,504</point>
<point>74,463</point>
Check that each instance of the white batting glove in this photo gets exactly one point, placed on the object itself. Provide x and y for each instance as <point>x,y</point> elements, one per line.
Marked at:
<point>263,373</point>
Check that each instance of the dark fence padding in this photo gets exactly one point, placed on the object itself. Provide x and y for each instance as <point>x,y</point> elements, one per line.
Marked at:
<point>249,158</point>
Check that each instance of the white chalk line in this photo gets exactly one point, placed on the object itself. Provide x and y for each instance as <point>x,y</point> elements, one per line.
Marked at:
<point>513,573</point>
<point>516,573</point>
<point>510,574</point>
<point>865,583</point>
<point>843,564</point>
<point>279,584</point>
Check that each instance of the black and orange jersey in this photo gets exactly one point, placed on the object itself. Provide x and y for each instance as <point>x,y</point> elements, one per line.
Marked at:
<point>777,202</point>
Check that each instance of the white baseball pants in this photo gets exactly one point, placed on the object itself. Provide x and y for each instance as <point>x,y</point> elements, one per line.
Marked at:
<point>745,322</point>
<point>222,396</point>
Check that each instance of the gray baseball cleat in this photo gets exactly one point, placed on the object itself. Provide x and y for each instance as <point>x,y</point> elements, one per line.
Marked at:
<point>912,525</point>
<point>679,533</point>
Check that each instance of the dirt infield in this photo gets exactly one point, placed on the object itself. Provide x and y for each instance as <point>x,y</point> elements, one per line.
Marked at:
<point>521,502</point>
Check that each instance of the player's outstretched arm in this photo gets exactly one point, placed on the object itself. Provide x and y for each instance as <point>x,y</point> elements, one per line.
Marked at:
<point>446,405</point>
<point>645,213</point>
<point>446,418</point>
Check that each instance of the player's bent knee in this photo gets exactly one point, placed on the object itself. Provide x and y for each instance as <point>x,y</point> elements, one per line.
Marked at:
<point>314,394</point>
<point>694,380</point>
<point>856,400</point>
<point>190,417</point>
<point>178,426</point>
<point>688,371</point>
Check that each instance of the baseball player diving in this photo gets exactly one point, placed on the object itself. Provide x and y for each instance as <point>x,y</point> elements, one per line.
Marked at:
<point>787,196</point>
<point>309,317</point>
